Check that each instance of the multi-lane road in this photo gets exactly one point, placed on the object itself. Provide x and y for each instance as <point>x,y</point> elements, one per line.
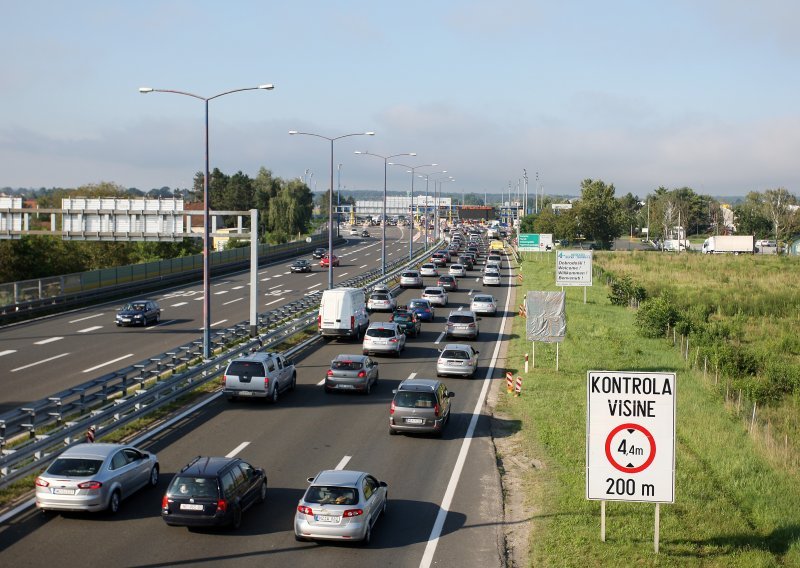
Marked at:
<point>445,505</point>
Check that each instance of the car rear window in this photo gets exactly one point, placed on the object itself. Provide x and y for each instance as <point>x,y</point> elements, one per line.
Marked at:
<point>418,304</point>
<point>245,369</point>
<point>402,317</point>
<point>380,332</point>
<point>382,297</point>
<point>433,292</point>
<point>188,486</point>
<point>411,399</point>
<point>75,467</point>
<point>347,365</point>
<point>454,354</point>
<point>460,319</point>
<point>409,274</point>
<point>330,495</point>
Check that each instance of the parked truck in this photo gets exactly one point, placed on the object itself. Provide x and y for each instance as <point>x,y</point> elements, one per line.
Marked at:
<point>735,244</point>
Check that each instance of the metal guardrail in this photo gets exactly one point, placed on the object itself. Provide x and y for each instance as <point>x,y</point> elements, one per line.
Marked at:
<point>122,396</point>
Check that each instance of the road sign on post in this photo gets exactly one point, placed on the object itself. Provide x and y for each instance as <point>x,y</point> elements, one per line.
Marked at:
<point>630,436</point>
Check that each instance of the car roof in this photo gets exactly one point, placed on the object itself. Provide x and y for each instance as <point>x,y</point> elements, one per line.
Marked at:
<point>382,325</point>
<point>459,346</point>
<point>424,385</point>
<point>432,288</point>
<point>92,451</point>
<point>346,357</point>
<point>206,465</point>
<point>338,477</point>
<point>461,313</point>
<point>476,296</point>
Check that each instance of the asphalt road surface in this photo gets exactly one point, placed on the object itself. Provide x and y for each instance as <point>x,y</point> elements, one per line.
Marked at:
<point>445,504</point>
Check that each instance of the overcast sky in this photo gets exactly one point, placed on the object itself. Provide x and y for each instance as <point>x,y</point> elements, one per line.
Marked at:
<point>698,93</point>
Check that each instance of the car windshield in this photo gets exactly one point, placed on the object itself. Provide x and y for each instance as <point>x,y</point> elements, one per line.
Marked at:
<point>460,319</point>
<point>75,467</point>
<point>380,332</point>
<point>134,307</point>
<point>330,495</point>
<point>347,365</point>
<point>412,399</point>
<point>188,486</point>
<point>454,354</point>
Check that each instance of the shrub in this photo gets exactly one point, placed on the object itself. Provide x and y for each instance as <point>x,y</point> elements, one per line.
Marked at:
<point>655,315</point>
<point>624,292</point>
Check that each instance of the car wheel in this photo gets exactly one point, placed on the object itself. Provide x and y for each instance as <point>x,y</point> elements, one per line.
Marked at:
<point>113,502</point>
<point>154,476</point>
<point>274,398</point>
<point>367,535</point>
<point>236,520</point>
<point>262,492</point>
<point>294,382</point>
<point>392,432</point>
<point>368,390</point>
<point>158,318</point>
<point>299,538</point>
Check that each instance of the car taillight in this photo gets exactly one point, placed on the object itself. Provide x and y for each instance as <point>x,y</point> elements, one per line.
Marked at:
<point>266,384</point>
<point>393,340</point>
<point>164,502</point>
<point>329,373</point>
<point>436,410</point>
<point>352,322</point>
<point>471,325</point>
<point>305,510</point>
<point>90,485</point>
<point>391,408</point>
<point>224,380</point>
<point>222,506</point>
<point>41,482</point>
<point>361,374</point>
<point>352,513</point>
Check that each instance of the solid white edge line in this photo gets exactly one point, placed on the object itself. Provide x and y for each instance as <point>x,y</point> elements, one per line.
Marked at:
<point>237,449</point>
<point>343,462</point>
<point>436,531</point>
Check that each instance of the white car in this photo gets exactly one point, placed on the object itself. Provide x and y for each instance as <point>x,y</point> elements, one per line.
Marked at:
<point>458,270</point>
<point>491,278</point>
<point>492,265</point>
<point>428,269</point>
<point>381,302</point>
<point>411,279</point>
<point>354,232</point>
<point>384,338</point>
<point>436,295</point>
<point>483,304</point>
<point>457,359</point>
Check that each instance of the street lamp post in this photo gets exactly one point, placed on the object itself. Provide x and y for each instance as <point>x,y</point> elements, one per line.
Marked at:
<point>411,234</point>
<point>427,176</point>
<point>383,220</point>
<point>338,196</point>
<point>436,195</point>
<point>206,208</point>
<point>330,195</point>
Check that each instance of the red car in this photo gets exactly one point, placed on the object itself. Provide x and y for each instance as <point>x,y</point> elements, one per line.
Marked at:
<point>324,261</point>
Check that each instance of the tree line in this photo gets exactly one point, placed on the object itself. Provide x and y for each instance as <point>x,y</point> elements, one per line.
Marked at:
<point>284,213</point>
<point>599,216</point>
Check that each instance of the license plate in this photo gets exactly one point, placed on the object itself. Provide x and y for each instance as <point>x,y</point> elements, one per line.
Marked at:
<point>125,320</point>
<point>244,393</point>
<point>415,421</point>
<point>191,507</point>
<point>345,386</point>
<point>455,362</point>
<point>60,491</point>
<point>327,519</point>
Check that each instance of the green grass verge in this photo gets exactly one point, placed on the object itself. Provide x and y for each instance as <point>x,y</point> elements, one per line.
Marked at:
<point>732,507</point>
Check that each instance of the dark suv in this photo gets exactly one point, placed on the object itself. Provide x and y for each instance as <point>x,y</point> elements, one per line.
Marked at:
<point>420,405</point>
<point>213,491</point>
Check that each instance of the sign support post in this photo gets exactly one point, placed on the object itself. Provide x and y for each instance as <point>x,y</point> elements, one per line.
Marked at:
<point>603,520</point>
<point>656,535</point>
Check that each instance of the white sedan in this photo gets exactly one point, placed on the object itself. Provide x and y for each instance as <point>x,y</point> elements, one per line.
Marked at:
<point>428,269</point>
<point>484,304</point>
<point>458,270</point>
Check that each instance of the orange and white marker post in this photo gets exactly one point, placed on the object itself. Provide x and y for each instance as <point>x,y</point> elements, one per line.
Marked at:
<point>510,382</point>
<point>518,387</point>
<point>526,363</point>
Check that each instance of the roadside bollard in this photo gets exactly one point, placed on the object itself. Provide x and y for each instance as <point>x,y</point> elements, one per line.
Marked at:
<point>526,363</point>
<point>510,382</point>
<point>518,387</point>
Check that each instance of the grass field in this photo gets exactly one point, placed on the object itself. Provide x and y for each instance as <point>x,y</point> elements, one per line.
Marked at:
<point>733,507</point>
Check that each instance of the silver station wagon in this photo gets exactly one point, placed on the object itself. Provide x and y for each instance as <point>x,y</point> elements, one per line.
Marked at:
<point>457,359</point>
<point>95,477</point>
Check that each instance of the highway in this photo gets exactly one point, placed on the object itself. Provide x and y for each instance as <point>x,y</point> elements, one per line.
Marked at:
<point>308,431</point>
<point>42,357</point>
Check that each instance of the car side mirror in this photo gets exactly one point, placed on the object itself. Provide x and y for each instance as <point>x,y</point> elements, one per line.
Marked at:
<point>310,479</point>
<point>383,484</point>
<point>394,391</point>
<point>450,394</point>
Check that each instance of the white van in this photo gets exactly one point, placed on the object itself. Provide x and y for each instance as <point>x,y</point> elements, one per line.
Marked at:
<point>343,313</point>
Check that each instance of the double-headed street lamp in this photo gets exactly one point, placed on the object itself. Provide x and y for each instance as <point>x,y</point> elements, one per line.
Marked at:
<point>206,215</point>
<point>383,221</point>
<point>427,176</point>
<point>411,233</point>
<point>330,196</point>
<point>436,195</point>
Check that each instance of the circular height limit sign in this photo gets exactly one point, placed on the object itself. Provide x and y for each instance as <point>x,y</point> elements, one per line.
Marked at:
<point>630,436</point>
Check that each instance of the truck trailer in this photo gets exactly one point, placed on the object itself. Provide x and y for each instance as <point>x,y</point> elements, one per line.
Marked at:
<point>735,244</point>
